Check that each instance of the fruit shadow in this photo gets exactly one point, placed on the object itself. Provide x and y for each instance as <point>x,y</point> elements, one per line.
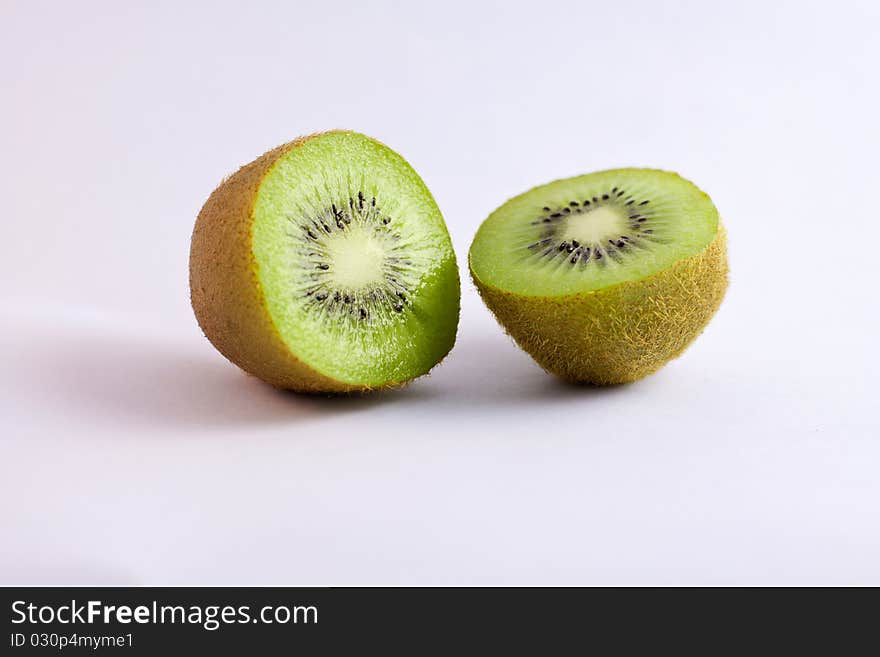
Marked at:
<point>135,382</point>
<point>494,371</point>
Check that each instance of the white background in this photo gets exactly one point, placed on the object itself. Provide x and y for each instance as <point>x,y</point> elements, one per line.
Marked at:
<point>133,453</point>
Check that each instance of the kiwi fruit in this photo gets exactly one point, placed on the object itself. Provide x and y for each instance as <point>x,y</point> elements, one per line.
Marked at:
<point>605,277</point>
<point>325,266</point>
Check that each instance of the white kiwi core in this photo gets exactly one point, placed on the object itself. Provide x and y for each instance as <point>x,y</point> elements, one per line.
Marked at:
<point>595,226</point>
<point>358,260</point>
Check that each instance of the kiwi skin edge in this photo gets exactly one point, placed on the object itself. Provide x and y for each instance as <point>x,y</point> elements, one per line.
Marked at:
<point>622,333</point>
<point>225,292</point>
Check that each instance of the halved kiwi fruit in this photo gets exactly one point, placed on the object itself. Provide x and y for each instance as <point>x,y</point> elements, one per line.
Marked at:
<point>325,266</point>
<point>604,277</point>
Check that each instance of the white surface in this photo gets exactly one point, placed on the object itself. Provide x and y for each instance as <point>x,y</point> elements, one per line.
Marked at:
<point>133,453</point>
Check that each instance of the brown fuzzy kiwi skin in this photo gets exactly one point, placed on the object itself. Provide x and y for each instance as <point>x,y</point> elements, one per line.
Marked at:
<point>622,333</point>
<point>225,291</point>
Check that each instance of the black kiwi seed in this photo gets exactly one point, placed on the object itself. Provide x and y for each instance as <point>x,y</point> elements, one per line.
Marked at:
<point>346,302</point>
<point>616,247</point>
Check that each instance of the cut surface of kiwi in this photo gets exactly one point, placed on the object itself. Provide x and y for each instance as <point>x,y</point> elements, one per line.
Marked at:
<point>603,277</point>
<point>325,265</point>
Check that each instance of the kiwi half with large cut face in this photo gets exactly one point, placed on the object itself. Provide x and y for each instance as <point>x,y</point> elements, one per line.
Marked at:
<point>604,277</point>
<point>325,266</point>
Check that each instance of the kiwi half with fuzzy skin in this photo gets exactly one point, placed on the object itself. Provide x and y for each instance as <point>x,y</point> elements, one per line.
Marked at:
<point>325,266</point>
<point>605,277</point>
